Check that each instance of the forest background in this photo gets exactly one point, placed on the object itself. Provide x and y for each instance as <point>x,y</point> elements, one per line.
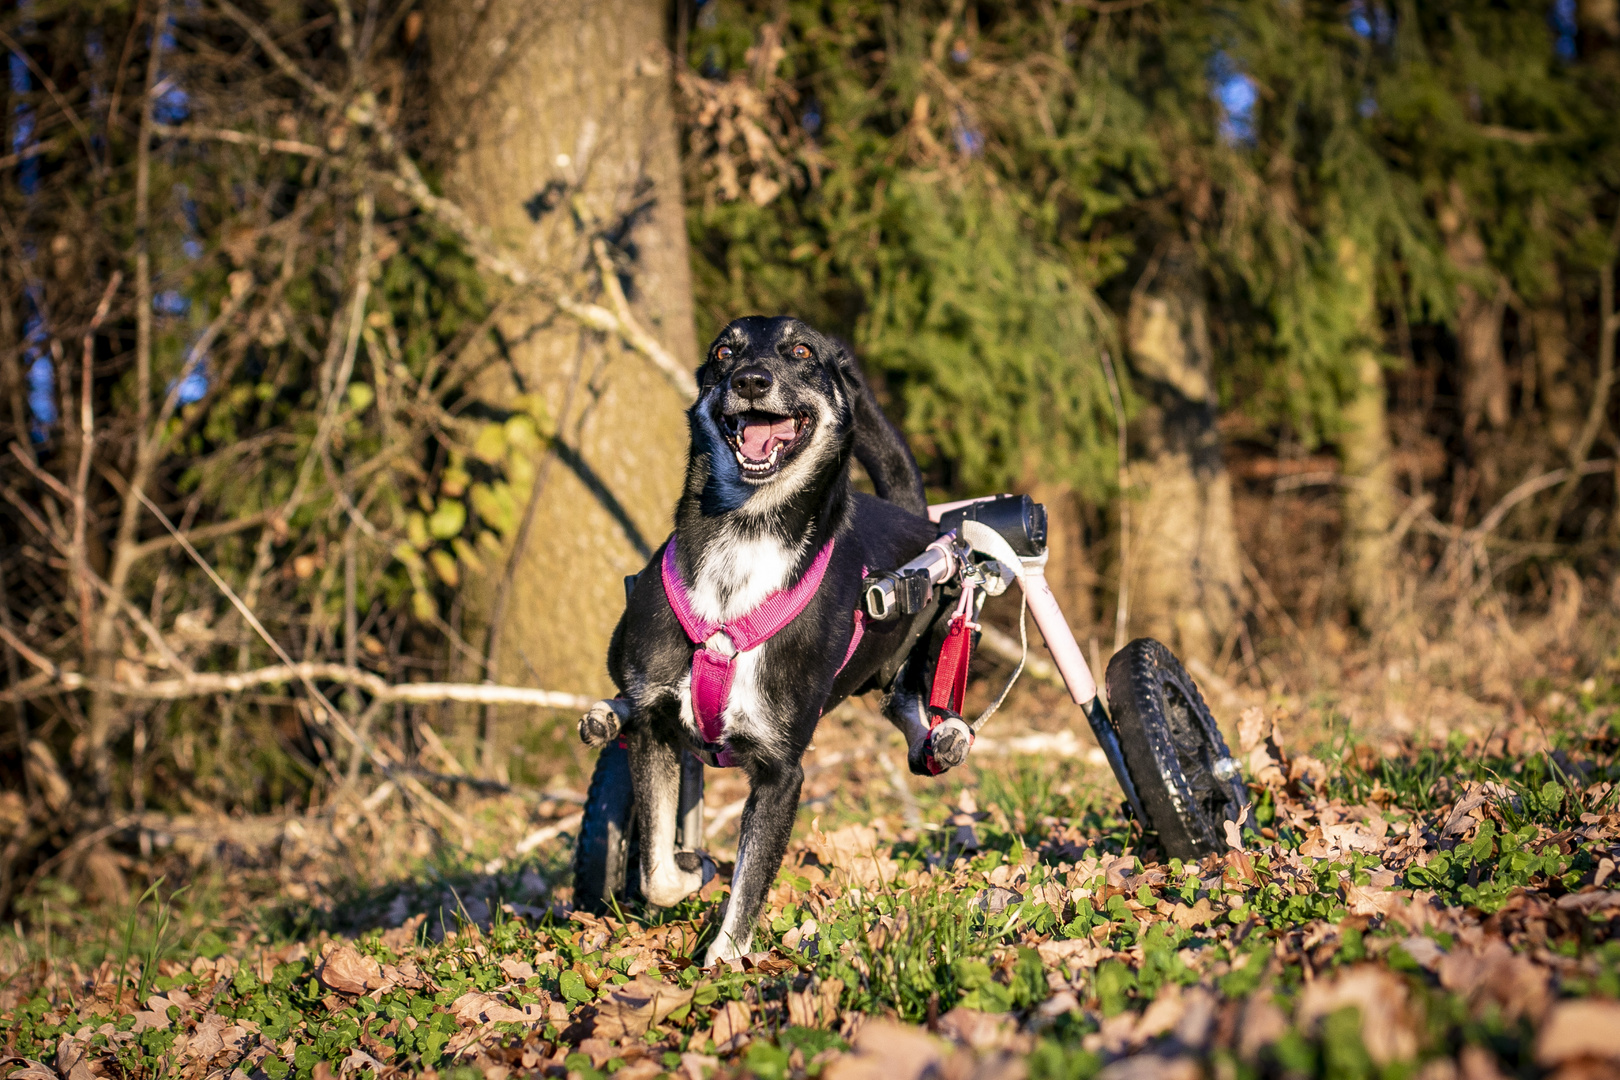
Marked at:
<point>344,348</point>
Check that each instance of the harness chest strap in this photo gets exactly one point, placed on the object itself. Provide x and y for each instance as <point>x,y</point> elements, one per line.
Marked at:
<point>714,663</point>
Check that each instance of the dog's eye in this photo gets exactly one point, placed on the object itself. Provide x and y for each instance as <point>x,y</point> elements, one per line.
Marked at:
<point>801,352</point>
<point>723,353</point>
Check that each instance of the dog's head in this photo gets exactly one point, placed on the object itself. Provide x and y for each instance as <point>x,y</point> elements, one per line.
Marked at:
<point>774,404</point>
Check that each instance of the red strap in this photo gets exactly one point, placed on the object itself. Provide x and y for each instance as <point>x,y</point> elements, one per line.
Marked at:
<point>951,672</point>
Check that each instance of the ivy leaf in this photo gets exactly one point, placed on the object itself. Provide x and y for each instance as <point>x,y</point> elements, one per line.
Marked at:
<point>448,518</point>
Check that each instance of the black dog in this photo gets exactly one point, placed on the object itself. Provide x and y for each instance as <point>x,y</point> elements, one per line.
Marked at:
<point>781,412</point>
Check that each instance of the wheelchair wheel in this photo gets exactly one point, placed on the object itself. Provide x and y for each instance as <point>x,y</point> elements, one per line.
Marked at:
<point>607,863</point>
<point>1187,781</point>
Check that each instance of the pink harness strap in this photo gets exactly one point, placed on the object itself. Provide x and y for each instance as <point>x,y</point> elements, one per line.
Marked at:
<point>714,663</point>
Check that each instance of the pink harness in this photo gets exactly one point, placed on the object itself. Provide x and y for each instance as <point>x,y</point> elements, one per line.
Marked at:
<point>713,664</point>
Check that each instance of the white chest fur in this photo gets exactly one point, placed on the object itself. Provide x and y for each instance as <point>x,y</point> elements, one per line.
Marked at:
<point>736,575</point>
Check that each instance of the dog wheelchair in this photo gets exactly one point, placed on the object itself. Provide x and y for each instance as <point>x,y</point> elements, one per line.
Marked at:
<point>1163,746</point>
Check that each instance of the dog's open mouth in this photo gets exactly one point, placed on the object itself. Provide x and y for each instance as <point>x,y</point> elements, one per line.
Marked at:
<point>763,441</point>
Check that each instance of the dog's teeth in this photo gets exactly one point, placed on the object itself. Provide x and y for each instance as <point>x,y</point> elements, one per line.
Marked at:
<point>772,459</point>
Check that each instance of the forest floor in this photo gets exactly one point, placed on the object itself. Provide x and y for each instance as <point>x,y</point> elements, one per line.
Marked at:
<point>1430,890</point>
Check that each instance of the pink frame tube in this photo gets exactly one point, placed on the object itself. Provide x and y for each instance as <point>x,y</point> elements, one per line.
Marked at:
<point>1066,654</point>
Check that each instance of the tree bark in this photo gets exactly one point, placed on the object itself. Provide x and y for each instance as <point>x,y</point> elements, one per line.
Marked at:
<point>559,129</point>
<point>1560,401</point>
<point>1481,301</point>
<point>1365,455</point>
<point>1185,573</point>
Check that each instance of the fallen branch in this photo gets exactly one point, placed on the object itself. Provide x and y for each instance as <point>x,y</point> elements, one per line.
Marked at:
<point>208,684</point>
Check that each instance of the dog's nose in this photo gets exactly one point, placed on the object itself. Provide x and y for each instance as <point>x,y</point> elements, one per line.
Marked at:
<point>752,382</point>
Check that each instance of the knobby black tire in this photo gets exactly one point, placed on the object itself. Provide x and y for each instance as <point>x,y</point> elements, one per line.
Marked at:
<point>605,859</point>
<point>1171,747</point>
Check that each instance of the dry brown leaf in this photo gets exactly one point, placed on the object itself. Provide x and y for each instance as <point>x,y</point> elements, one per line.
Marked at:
<point>1585,1028</point>
<point>1200,914</point>
<point>346,971</point>
<point>1475,796</point>
<point>1164,1013</point>
<point>1152,1067</point>
<point>636,1007</point>
<point>1424,951</point>
<point>20,1068</point>
<point>731,1027</point>
<point>208,1039</point>
<point>1262,1024</point>
<point>1588,902</point>
<point>517,969</point>
<point>73,1059</point>
<point>1072,953</point>
<point>693,1065</point>
<point>359,1059</point>
<point>851,855</point>
<point>1496,975</point>
<point>885,1050</point>
<point>1381,997</point>
<point>148,1019</point>
<point>1363,900</point>
<point>475,1008</point>
<point>980,1030</point>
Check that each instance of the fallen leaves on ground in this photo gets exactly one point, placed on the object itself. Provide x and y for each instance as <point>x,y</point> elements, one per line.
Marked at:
<point>1381,911</point>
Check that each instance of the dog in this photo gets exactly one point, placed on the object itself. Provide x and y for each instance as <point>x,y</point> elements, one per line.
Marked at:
<point>769,518</point>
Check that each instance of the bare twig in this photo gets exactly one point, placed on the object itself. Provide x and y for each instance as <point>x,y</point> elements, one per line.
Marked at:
<point>200,535</point>
<point>87,440</point>
<point>1527,488</point>
<point>263,144</point>
<point>50,88</point>
<point>286,63</point>
<point>39,149</point>
<point>631,331</point>
<point>336,718</point>
<point>101,717</point>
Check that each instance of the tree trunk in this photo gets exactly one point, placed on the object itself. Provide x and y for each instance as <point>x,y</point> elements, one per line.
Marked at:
<point>1560,401</point>
<point>559,129</point>
<point>1365,457</point>
<point>1481,301</point>
<point>1185,572</point>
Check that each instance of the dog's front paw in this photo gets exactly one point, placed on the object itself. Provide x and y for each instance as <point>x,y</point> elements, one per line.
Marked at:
<point>603,722</point>
<point>944,748</point>
<point>727,948</point>
<point>672,883</point>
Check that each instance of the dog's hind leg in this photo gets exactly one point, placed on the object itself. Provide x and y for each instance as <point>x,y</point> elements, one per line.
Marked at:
<point>655,769</point>
<point>944,745</point>
<point>767,825</point>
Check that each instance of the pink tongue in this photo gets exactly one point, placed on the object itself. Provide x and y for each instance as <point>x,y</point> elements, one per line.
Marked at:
<point>759,438</point>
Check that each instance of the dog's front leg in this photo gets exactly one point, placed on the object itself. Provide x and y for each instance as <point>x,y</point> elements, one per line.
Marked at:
<point>767,826</point>
<point>655,769</point>
<point>906,706</point>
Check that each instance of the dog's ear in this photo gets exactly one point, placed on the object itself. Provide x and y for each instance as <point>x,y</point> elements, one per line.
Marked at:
<point>841,361</point>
